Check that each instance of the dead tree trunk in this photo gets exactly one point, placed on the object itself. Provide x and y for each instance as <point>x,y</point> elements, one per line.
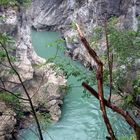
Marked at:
<point>99,75</point>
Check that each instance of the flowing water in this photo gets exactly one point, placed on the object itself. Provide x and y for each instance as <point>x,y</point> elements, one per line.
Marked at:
<point>81,117</point>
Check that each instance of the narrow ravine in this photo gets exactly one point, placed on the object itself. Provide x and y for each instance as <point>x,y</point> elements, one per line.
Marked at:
<point>81,117</point>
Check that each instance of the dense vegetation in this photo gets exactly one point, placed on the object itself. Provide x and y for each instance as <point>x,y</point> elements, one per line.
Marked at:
<point>124,47</point>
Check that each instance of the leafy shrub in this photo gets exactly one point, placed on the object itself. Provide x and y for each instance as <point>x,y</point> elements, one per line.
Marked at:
<point>128,138</point>
<point>15,2</point>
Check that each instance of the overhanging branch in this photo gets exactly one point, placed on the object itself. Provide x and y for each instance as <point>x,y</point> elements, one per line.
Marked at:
<point>123,113</point>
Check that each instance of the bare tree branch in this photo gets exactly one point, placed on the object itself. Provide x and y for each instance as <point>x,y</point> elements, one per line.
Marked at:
<point>99,75</point>
<point>123,113</point>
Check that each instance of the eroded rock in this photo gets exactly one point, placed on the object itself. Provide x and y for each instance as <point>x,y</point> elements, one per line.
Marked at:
<point>88,14</point>
<point>40,80</point>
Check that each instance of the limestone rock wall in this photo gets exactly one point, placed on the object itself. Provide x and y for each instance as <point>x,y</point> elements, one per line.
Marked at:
<point>41,81</point>
<point>59,15</point>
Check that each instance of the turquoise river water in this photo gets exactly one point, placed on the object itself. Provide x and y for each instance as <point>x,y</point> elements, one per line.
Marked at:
<point>81,117</point>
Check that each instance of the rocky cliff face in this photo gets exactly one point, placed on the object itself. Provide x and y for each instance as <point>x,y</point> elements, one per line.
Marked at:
<point>58,15</point>
<point>42,82</point>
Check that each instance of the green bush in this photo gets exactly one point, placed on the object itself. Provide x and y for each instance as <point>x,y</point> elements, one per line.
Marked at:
<point>15,2</point>
<point>128,138</point>
<point>44,119</point>
<point>124,44</point>
<point>13,102</point>
<point>8,98</point>
<point>8,2</point>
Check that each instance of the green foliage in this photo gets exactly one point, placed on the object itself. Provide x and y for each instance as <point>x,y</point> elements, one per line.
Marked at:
<point>6,97</point>
<point>44,119</point>
<point>4,39</point>
<point>2,54</point>
<point>8,2</point>
<point>11,72</point>
<point>73,25</point>
<point>112,21</point>
<point>71,69</point>
<point>128,138</point>
<point>2,18</point>
<point>97,35</point>
<point>125,46</point>
<point>13,102</point>
<point>24,3</point>
<point>128,101</point>
<point>9,98</point>
<point>119,77</point>
<point>136,85</point>
<point>126,49</point>
<point>68,67</point>
<point>57,43</point>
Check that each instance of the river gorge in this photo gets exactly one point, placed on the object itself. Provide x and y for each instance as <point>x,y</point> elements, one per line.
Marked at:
<point>81,117</point>
<point>37,29</point>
